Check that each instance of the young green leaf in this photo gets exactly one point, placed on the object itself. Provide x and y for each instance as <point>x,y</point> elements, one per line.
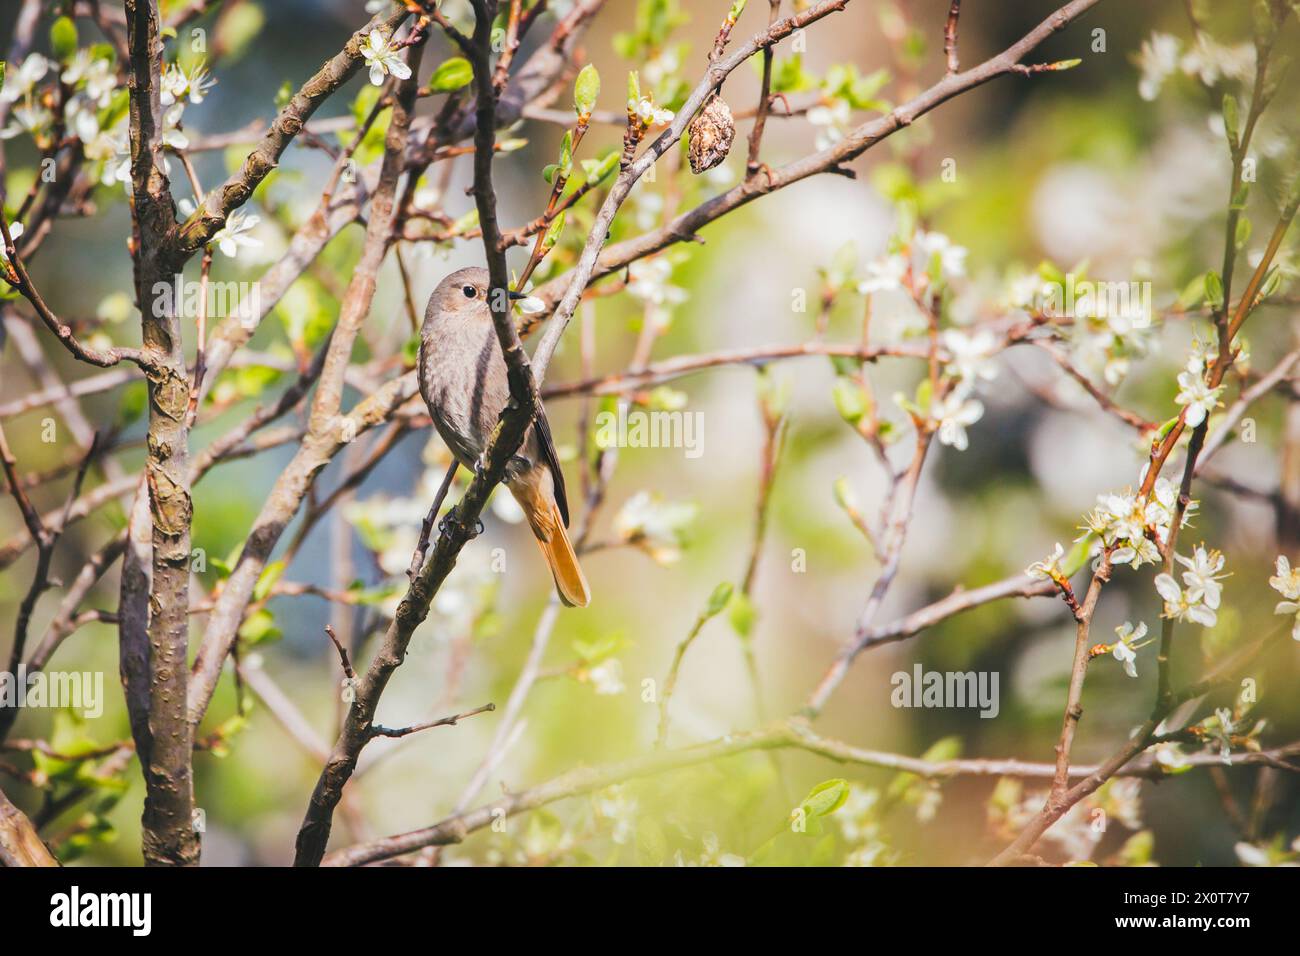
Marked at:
<point>718,599</point>
<point>452,74</point>
<point>63,38</point>
<point>585,90</point>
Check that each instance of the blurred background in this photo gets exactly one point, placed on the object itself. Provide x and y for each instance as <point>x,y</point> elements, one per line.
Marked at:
<point>1072,167</point>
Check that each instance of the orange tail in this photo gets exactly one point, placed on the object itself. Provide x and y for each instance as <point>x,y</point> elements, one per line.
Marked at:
<point>548,526</point>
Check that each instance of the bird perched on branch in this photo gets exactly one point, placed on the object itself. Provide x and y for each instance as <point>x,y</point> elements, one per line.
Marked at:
<point>463,381</point>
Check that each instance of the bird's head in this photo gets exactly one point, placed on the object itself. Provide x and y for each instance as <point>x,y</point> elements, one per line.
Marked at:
<point>464,293</point>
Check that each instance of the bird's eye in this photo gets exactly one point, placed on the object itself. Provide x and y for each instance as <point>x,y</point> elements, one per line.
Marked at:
<point>469,291</point>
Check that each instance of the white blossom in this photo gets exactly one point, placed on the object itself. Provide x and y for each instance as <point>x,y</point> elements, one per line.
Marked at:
<point>1198,600</point>
<point>1201,579</point>
<point>233,236</point>
<point>173,135</point>
<point>954,412</point>
<point>607,677</point>
<point>29,119</point>
<point>831,121</point>
<point>655,525</point>
<point>19,82</point>
<point>971,355</point>
<point>176,84</point>
<point>1157,60</point>
<point>651,115</point>
<point>1125,649</point>
<point>15,230</point>
<point>1196,394</point>
<point>95,72</point>
<point>1049,569</point>
<point>884,274</point>
<point>952,257</point>
<point>383,59</point>
<point>1287,583</point>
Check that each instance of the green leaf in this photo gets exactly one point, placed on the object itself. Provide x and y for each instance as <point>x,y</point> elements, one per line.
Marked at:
<point>553,233</point>
<point>585,90</point>
<point>1230,120</point>
<point>825,798</point>
<point>63,38</point>
<point>851,400</point>
<point>1076,557</point>
<point>452,74</point>
<point>566,153</point>
<point>259,627</point>
<point>742,614</point>
<point>2,74</point>
<point>1244,229</point>
<point>1213,289</point>
<point>633,89</point>
<point>237,27</point>
<point>718,599</point>
<point>266,581</point>
<point>1193,293</point>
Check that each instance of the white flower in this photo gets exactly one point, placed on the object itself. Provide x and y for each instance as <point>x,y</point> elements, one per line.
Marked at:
<point>884,274</point>
<point>1287,584</point>
<point>383,59</point>
<point>1197,395</point>
<point>1202,577</point>
<point>970,355</point>
<point>232,236</point>
<point>1049,569</point>
<point>831,120</point>
<point>15,230</point>
<point>953,413</point>
<point>173,135</point>
<point>95,72</point>
<point>19,82</point>
<point>607,677</point>
<point>648,281</point>
<point>1026,291</point>
<point>952,257</point>
<point>177,84</point>
<point>1125,649</point>
<point>1157,60</point>
<point>650,115</point>
<point>1170,756</point>
<point>619,808</point>
<point>1287,580</point>
<point>1179,606</point>
<point>1208,60</point>
<point>28,119</point>
<point>80,117</point>
<point>1250,855</point>
<point>649,522</point>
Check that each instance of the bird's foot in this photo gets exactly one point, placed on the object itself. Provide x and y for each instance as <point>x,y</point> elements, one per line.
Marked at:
<point>451,524</point>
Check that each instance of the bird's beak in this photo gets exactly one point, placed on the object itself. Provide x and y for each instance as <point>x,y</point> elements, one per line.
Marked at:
<point>517,295</point>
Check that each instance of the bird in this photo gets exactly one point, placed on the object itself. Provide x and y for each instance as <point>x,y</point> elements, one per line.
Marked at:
<point>462,376</point>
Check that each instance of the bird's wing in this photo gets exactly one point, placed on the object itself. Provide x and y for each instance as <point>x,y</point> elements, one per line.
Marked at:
<point>547,445</point>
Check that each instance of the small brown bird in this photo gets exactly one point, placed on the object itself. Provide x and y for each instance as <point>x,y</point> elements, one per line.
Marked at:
<point>463,381</point>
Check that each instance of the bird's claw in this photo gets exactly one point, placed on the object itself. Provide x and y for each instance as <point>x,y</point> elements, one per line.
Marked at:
<point>451,523</point>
